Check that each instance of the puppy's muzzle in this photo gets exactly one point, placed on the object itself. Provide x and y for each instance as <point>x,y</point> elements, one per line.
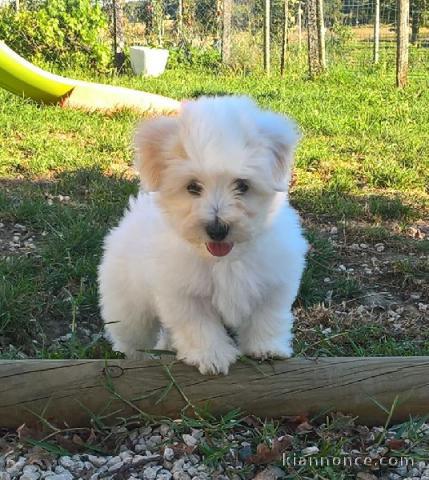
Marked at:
<point>217,230</point>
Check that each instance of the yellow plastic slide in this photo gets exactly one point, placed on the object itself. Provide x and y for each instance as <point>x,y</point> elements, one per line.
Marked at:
<point>21,77</point>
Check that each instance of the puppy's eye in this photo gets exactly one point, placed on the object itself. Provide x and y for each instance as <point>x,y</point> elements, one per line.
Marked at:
<point>241,186</point>
<point>194,188</point>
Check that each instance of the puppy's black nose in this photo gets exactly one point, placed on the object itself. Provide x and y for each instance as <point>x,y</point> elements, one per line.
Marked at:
<point>217,230</point>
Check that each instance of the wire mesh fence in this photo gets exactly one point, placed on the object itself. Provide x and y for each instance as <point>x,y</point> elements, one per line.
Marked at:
<point>351,37</point>
<point>249,35</point>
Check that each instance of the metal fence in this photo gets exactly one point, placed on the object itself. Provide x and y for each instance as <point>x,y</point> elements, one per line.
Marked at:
<point>253,35</point>
<point>247,31</point>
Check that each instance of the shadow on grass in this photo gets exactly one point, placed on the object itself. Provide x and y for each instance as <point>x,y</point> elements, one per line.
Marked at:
<point>50,291</point>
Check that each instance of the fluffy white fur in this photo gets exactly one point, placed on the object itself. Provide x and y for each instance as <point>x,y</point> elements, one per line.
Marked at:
<point>159,285</point>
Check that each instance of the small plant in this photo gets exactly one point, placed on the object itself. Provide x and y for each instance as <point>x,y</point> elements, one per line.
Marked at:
<point>342,35</point>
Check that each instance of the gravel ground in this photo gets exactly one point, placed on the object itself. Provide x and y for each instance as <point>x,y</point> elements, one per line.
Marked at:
<point>165,451</point>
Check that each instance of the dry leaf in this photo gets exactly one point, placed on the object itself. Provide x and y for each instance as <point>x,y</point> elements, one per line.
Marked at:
<point>395,443</point>
<point>26,433</point>
<point>265,454</point>
<point>42,458</point>
<point>304,427</point>
<point>181,449</point>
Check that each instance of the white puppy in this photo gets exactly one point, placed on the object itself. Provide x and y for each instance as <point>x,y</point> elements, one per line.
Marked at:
<point>215,244</point>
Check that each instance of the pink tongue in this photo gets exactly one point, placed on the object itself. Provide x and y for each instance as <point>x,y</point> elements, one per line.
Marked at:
<point>219,249</point>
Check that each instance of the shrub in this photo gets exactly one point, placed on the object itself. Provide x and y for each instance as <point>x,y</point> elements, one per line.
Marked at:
<point>207,58</point>
<point>67,33</point>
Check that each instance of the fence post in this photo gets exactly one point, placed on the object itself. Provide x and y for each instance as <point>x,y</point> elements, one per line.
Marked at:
<point>226,31</point>
<point>314,65</point>
<point>376,53</point>
<point>118,34</point>
<point>299,25</point>
<point>267,25</point>
<point>416,11</point>
<point>284,35</point>
<point>402,43</point>
<point>180,19</point>
<point>321,34</point>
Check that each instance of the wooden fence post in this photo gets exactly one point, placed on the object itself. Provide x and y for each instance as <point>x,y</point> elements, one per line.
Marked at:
<point>321,34</point>
<point>180,19</point>
<point>284,35</point>
<point>299,25</point>
<point>402,43</point>
<point>267,32</point>
<point>314,65</point>
<point>118,34</point>
<point>376,52</point>
<point>226,31</point>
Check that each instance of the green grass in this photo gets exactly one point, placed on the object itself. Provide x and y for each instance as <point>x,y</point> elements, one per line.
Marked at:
<point>364,157</point>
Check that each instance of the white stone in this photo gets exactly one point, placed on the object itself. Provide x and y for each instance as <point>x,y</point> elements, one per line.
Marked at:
<point>97,461</point>
<point>189,440</point>
<point>30,472</point>
<point>13,468</point>
<point>310,450</point>
<point>164,475</point>
<point>149,473</point>
<point>168,454</point>
<point>61,476</point>
<point>379,247</point>
<point>180,475</point>
<point>115,467</point>
<point>114,460</point>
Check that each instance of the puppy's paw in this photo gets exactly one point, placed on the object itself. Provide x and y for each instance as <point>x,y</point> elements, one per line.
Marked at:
<point>214,360</point>
<point>267,349</point>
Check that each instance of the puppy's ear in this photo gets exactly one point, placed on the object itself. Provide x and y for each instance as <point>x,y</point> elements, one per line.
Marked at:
<point>282,136</point>
<point>153,141</point>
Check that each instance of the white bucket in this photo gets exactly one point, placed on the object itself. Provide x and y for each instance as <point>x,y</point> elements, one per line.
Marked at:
<point>148,61</point>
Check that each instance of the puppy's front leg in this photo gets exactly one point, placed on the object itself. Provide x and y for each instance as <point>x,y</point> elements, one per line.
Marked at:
<point>197,334</point>
<point>268,332</point>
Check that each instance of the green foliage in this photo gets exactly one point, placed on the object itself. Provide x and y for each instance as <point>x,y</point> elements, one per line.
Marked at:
<point>342,35</point>
<point>204,58</point>
<point>67,33</point>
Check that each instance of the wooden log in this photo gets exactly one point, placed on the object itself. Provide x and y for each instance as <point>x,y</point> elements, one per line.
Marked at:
<point>402,43</point>
<point>64,391</point>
